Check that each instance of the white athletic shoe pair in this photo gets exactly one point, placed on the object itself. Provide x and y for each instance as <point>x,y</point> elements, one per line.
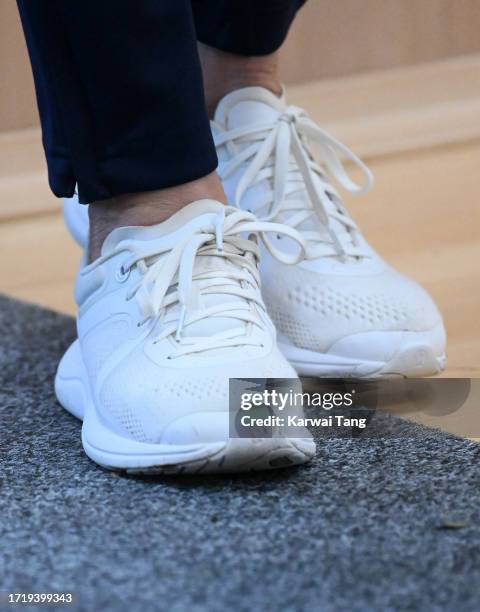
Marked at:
<point>169,313</point>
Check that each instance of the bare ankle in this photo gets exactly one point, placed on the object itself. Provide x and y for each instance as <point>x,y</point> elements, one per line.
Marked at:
<point>146,208</point>
<point>224,72</point>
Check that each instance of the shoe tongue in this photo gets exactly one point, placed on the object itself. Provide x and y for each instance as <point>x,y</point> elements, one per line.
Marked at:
<point>254,105</point>
<point>197,214</point>
<point>248,106</point>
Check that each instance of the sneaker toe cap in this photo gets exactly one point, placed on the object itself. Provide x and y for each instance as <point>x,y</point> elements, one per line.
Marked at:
<point>314,311</point>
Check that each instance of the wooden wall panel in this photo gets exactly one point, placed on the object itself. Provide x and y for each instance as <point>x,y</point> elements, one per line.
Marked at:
<point>337,37</point>
<point>17,96</point>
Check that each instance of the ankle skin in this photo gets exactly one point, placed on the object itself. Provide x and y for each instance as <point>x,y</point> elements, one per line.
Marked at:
<point>146,208</point>
<point>224,72</point>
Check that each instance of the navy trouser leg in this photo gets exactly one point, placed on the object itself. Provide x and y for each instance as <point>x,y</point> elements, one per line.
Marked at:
<point>120,94</point>
<point>245,27</point>
<point>119,85</point>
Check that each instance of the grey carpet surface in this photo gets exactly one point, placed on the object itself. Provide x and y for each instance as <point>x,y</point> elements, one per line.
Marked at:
<point>389,523</point>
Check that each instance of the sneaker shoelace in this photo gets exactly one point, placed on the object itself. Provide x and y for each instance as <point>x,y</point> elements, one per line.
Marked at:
<point>175,279</point>
<point>277,151</point>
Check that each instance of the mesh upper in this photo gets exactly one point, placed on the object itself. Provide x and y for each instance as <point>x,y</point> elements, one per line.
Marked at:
<point>315,310</point>
<point>143,399</point>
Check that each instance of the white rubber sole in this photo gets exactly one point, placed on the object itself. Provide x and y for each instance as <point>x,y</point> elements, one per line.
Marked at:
<point>116,452</point>
<point>373,355</point>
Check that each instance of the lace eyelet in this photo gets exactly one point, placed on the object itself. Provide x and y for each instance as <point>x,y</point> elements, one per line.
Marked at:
<point>121,274</point>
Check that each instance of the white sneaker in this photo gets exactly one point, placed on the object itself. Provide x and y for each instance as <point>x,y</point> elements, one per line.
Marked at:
<point>166,316</point>
<point>343,311</point>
